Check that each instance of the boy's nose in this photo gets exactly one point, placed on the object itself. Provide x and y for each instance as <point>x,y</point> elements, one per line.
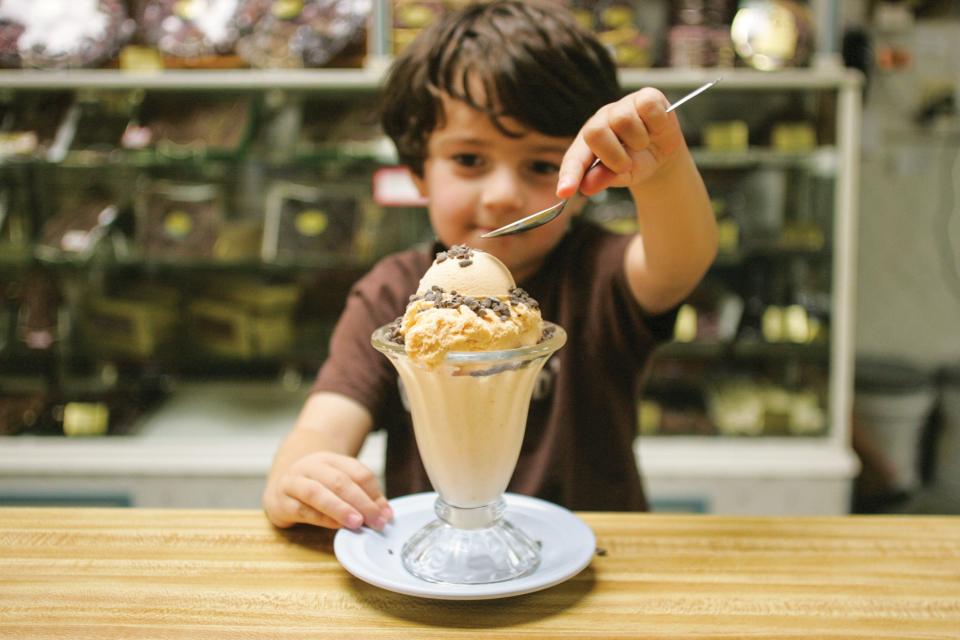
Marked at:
<point>503,192</point>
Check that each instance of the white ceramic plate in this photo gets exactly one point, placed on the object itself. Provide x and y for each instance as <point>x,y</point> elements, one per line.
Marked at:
<point>567,545</point>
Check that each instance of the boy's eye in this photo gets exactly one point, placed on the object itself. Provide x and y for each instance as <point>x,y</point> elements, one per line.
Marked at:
<point>543,167</point>
<point>469,160</point>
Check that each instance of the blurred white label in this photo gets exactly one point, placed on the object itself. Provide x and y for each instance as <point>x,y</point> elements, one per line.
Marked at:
<point>394,187</point>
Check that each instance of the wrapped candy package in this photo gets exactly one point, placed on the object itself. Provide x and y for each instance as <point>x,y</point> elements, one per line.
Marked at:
<point>307,33</point>
<point>62,34</point>
<point>191,29</point>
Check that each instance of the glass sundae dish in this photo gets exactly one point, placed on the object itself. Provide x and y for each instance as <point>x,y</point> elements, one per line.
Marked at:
<point>468,351</point>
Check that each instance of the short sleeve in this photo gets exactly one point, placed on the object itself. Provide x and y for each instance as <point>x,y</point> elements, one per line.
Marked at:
<point>618,323</point>
<point>660,325</point>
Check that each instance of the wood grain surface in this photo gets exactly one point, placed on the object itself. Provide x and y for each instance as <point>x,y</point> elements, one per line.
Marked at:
<point>135,573</point>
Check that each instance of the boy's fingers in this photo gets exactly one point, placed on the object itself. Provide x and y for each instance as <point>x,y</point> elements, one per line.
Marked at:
<point>306,514</point>
<point>365,478</point>
<point>367,481</point>
<point>385,508</point>
<point>574,165</point>
<point>582,175</point>
<point>360,474</point>
<point>596,180</point>
<point>598,135</point>
<point>344,487</point>
<point>315,495</point>
<point>628,126</point>
<point>651,105</point>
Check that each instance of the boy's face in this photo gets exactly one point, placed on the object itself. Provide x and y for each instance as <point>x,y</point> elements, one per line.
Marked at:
<point>477,179</point>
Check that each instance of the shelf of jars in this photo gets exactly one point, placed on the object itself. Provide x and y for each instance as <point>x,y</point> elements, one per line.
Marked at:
<point>822,160</point>
<point>360,154</point>
<point>107,380</point>
<point>745,350</point>
<point>333,80</point>
<point>19,257</point>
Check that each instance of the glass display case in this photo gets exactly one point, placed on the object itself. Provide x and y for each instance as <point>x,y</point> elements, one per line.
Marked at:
<point>175,247</point>
<point>748,409</point>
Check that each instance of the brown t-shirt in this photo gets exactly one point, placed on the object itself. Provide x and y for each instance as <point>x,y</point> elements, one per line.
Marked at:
<point>577,449</point>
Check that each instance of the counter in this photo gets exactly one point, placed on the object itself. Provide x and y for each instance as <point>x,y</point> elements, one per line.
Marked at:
<point>138,573</point>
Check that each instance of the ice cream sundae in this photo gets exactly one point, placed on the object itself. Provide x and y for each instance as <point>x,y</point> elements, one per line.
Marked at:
<point>468,350</point>
<point>467,301</point>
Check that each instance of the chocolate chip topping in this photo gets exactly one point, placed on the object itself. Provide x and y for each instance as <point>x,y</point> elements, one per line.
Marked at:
<point>459,252</point>
<point>393,331</point>
<point>480,305</point>
<point>518,296</point>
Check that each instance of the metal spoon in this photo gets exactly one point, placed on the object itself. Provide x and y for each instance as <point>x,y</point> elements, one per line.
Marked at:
<point>534,220</point>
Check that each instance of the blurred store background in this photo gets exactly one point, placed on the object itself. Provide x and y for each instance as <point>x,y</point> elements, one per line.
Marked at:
<point>188,188</point>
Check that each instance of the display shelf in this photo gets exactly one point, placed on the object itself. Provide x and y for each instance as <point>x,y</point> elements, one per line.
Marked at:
<point>822,160</point>
<point>346,264</point>
<point>224,464</point>
<point>744,349</point>
<point>207,440</point>
<point>370,79</point>
<point>15,256</point>
<point>202,429</point>
<point>736,79</point>
<point>759,476</point>
<point>773,251</point>
<point>258,80</point>
<point>210,445</point>
<point>684,456</point>
<point>372,153</point>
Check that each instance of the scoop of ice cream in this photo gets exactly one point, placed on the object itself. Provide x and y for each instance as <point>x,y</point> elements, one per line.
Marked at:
<point>467,301</point>
<point>469,272</point>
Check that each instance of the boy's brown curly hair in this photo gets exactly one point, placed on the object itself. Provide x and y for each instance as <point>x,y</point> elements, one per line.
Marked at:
<point>533,61</point>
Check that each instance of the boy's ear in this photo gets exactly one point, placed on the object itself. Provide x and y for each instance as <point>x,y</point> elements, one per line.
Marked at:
<point>419,182</point>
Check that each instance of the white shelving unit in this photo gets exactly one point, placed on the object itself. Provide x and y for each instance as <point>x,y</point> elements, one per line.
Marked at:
<point>773,475</point>
<point>199,452</point>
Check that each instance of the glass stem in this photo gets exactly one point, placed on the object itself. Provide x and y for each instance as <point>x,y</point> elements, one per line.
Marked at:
<point>472,517</point>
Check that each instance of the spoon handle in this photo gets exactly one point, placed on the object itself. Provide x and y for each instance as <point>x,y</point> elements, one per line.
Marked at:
<point>693,94</point>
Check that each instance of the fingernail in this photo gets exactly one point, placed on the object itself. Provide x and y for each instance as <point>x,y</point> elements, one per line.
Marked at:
<point>565,183</point>
<point>378,523</point>
<point>354,520</point>
<point>387,513</point>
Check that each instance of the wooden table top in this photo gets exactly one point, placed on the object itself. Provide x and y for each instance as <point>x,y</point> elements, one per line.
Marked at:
<point>137,573</point>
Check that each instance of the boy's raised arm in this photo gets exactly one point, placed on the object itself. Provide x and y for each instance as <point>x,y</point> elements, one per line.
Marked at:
<point>678,236</point>
<point>315,477</point>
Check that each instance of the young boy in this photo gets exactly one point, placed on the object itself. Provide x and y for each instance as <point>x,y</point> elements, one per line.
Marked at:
<point>499,110</point>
